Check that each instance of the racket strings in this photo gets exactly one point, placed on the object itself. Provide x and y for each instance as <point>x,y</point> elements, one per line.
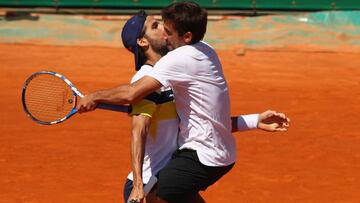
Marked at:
<point>48,98</point>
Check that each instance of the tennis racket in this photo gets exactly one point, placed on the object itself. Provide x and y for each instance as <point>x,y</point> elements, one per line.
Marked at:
<point>50,98</point>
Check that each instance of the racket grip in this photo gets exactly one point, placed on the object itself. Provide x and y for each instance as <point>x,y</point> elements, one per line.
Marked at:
<point>113,107</point>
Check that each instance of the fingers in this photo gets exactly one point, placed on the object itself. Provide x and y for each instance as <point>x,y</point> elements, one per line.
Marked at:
<point>136,195</point>
<point>279,115</point>
<point>134,201</point>
<point>283,116</point>
<point>281,130</point>
<point>272,125</point>
<point>86,108</point>
<point>274,116</point>
<point>286,124</point>
<point>282,127</point>
<point>269,113</point>
<point>86,104</point>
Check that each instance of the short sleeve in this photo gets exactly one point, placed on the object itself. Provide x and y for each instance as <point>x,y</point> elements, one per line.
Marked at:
<point>168,69</point>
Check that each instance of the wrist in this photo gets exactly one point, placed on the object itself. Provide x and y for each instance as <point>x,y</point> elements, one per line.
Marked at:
<point>138,182</point>
<point>247,122</point>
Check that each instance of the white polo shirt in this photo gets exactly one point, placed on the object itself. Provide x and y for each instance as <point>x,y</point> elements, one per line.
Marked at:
<point>202,101</point>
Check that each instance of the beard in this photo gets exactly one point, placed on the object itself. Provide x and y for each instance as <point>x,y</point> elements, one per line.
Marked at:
<point>159,46</point>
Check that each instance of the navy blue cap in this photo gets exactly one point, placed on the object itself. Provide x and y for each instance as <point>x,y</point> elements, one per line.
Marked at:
<point>132,30</point>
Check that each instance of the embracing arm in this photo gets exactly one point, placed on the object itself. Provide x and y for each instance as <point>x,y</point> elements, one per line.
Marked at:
<point>270,121</point>
<point>123,94</point>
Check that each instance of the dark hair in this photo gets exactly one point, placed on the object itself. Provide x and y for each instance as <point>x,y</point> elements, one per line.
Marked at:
<point>187,17</point>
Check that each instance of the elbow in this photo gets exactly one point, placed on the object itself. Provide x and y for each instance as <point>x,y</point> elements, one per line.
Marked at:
<point>132,96</point>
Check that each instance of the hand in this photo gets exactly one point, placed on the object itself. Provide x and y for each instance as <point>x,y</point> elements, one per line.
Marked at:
<point>272,121</point>
<point>86,104</point>
<point>137,194</point>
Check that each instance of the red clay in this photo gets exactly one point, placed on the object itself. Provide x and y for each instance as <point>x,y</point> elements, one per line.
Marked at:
<point>86,159</point>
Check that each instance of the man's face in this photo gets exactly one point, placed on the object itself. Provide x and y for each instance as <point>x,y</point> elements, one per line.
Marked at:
<point>154,33</point>
<point>172,37</point>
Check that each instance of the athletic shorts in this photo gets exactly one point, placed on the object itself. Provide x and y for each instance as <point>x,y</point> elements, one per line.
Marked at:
<point>184,176</point>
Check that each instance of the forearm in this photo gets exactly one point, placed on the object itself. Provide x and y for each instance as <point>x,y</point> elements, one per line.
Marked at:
<point>123,94</point>
<point>244,122</point>
<point>137,157</point>
<point>127,94</point>
<point>118,95</point>
<point>138,141</point>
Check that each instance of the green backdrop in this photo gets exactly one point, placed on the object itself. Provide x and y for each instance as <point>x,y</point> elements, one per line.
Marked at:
<point>210,4</point>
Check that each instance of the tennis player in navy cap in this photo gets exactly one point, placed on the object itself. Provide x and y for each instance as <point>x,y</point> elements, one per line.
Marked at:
<point>206,147</point>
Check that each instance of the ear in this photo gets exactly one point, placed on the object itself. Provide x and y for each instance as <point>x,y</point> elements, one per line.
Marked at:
<point>142,42</point>
<point>187,37</point>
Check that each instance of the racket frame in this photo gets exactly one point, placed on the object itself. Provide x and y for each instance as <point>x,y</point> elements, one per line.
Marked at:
<point>76,92</point>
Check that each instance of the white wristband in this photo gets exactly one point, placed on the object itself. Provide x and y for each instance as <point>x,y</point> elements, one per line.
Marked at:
<point>247,122</point>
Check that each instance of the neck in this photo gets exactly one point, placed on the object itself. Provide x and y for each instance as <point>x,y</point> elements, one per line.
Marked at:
<point>152,57</point>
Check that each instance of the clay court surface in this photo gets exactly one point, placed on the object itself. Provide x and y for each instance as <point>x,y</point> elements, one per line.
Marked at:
<point>86,159</point>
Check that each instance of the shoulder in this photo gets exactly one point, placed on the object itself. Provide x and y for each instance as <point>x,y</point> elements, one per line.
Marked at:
<point>183,51</point>
<point>194,50</point>
<point>204,44</point>
<point>175,57</point>
<point>144,70</point>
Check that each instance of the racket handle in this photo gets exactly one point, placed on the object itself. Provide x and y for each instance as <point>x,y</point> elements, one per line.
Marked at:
<point>113,107</point>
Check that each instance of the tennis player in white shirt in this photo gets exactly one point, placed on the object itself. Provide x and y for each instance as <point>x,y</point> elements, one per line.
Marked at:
<point>207,149</point>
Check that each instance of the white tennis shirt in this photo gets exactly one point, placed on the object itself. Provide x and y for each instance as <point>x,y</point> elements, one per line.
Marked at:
<point>202,101</point>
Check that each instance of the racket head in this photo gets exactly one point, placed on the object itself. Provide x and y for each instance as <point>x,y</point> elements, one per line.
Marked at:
<point>49,98</point>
